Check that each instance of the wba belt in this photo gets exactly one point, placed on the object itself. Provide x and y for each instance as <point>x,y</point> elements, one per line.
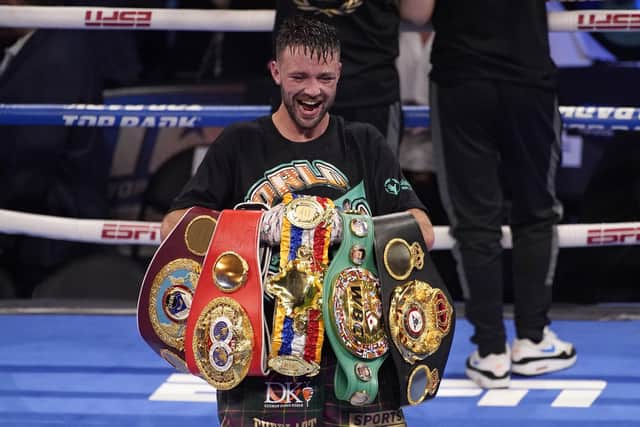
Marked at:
<point>352,309</point>
<point>417,306</point>
<point>224,340</point>
<point>169,284</point>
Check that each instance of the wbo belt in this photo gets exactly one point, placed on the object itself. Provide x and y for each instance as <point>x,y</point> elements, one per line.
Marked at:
<point>225,337</point>
<point>416,304</point>
<point>352,309</point>
<point>169,284</point>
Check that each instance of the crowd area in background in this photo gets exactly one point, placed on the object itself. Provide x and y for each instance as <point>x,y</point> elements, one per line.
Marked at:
<point>605,187</point>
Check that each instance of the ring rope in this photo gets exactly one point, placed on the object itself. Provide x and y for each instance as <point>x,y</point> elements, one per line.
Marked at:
<point>110,18</point>
<point>148,233</point>
<point>169,115</point>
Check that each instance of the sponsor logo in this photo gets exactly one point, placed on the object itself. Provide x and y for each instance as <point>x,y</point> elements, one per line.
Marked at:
<point>106,120</point>
<point>117,231</point>
<point>610,236</point>
<point>288,395</point>
<point>111,18</point>
<point>313,422</point>
<point>383,418</point>
<point>617,118</point>
<point>395,186</point>
<point>609,21</point>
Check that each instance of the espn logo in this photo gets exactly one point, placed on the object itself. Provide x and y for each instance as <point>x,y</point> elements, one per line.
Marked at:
<point>609,21</point>
<point>117,18</point>
<point>144,232</point>
<point>608,236</point>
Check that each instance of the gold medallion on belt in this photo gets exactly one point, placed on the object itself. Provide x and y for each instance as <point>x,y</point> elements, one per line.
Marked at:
<point>223,343</point>
<point>306,212</point>
<point>170,300</point>
<point>357,313</point>
<point>419,318</point>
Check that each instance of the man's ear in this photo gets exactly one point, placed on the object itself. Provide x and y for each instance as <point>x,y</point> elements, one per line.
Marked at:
<point>275,72</point>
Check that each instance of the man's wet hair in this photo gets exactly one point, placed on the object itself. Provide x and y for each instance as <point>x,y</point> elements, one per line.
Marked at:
<point>315,38</point>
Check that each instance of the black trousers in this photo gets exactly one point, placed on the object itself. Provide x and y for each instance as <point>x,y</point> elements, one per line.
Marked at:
<point>496,152</point>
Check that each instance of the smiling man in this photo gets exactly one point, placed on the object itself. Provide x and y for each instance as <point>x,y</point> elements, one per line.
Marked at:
<point>301,149</point>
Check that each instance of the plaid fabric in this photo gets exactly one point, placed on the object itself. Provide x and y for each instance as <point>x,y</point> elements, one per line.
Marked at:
<point>278,401</point>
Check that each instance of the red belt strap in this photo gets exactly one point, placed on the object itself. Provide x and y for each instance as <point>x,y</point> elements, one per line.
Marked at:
<point>224,336</point>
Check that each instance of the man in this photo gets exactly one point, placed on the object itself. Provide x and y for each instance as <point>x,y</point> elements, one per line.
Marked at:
<point>304,150</point>
<point>369,90</point>
<point>495,127</point>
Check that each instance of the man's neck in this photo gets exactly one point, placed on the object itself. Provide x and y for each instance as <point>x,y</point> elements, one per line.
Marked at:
<point>291,131</point>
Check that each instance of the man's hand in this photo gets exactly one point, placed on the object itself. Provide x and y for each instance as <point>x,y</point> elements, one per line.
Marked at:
<point>169,222</point>
<point>425,226</point>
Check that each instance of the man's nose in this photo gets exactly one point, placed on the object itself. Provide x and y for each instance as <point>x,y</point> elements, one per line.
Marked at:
<point>313,88</point>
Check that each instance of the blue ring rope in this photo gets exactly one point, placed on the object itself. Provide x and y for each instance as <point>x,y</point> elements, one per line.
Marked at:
<point>172,115</point>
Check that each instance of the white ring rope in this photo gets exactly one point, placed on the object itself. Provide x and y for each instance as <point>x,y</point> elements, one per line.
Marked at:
<point>110,18</point>
<point>148,233</point>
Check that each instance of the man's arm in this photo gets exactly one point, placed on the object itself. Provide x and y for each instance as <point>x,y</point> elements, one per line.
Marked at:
<point>169,222</point>
<point>417,11</point>
<point>425,226</point>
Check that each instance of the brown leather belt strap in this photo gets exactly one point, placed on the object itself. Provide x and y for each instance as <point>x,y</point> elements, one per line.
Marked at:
<point>169,284</point>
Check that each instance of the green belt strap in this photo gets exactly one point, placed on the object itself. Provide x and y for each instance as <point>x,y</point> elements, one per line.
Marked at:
<point>352,311</point>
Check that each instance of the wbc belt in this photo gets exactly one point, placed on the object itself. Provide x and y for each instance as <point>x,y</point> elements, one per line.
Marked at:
<point>224,340</point>
<point>352,308</point>
<point>170,282</point>
<point>416,304</point>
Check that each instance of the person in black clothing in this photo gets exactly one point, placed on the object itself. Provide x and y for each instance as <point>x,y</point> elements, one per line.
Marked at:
<point>301,148</point>
<point>54,170</point>
<point>495,126</point>
<point>369,89</point>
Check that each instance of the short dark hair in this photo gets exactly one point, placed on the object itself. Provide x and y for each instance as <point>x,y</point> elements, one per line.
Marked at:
<point>315,37</point>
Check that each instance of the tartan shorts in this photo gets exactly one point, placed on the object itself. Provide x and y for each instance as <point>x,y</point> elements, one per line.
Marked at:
<point>282,401</point>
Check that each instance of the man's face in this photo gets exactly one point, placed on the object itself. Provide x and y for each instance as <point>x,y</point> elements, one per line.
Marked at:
<point>307,85</point>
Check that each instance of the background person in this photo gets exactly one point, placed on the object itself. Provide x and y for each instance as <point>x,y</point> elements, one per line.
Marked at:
<point>54,170</point>
<point>495,127</point>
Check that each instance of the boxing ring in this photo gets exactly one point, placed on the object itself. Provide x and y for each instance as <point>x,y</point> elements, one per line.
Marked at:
<point>94,369</point>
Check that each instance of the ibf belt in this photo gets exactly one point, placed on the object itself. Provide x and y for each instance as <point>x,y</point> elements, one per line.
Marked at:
<point>352,308</point>
<point>298,327</point>
<point>169,285</point>
<point>417,306</point>
<point>224,341</point>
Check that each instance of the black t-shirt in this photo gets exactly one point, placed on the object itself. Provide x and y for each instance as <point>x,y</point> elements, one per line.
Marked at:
<point>493,39</point>
<point>368,32</point>
<point>252,162</point>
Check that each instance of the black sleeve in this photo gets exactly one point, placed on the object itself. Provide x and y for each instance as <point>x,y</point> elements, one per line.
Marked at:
<point>386,186</point>
<point>211,186</point>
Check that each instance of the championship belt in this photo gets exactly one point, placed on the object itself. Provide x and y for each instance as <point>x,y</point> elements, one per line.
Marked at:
<point>170,282</point>
<point>417,306</point>
<point>298,327</point>
<point>224,340</point>
<point>352,307</point>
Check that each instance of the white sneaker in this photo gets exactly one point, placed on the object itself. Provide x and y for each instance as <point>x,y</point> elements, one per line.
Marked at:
<point>549,355</point>
<point>492,371</point>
